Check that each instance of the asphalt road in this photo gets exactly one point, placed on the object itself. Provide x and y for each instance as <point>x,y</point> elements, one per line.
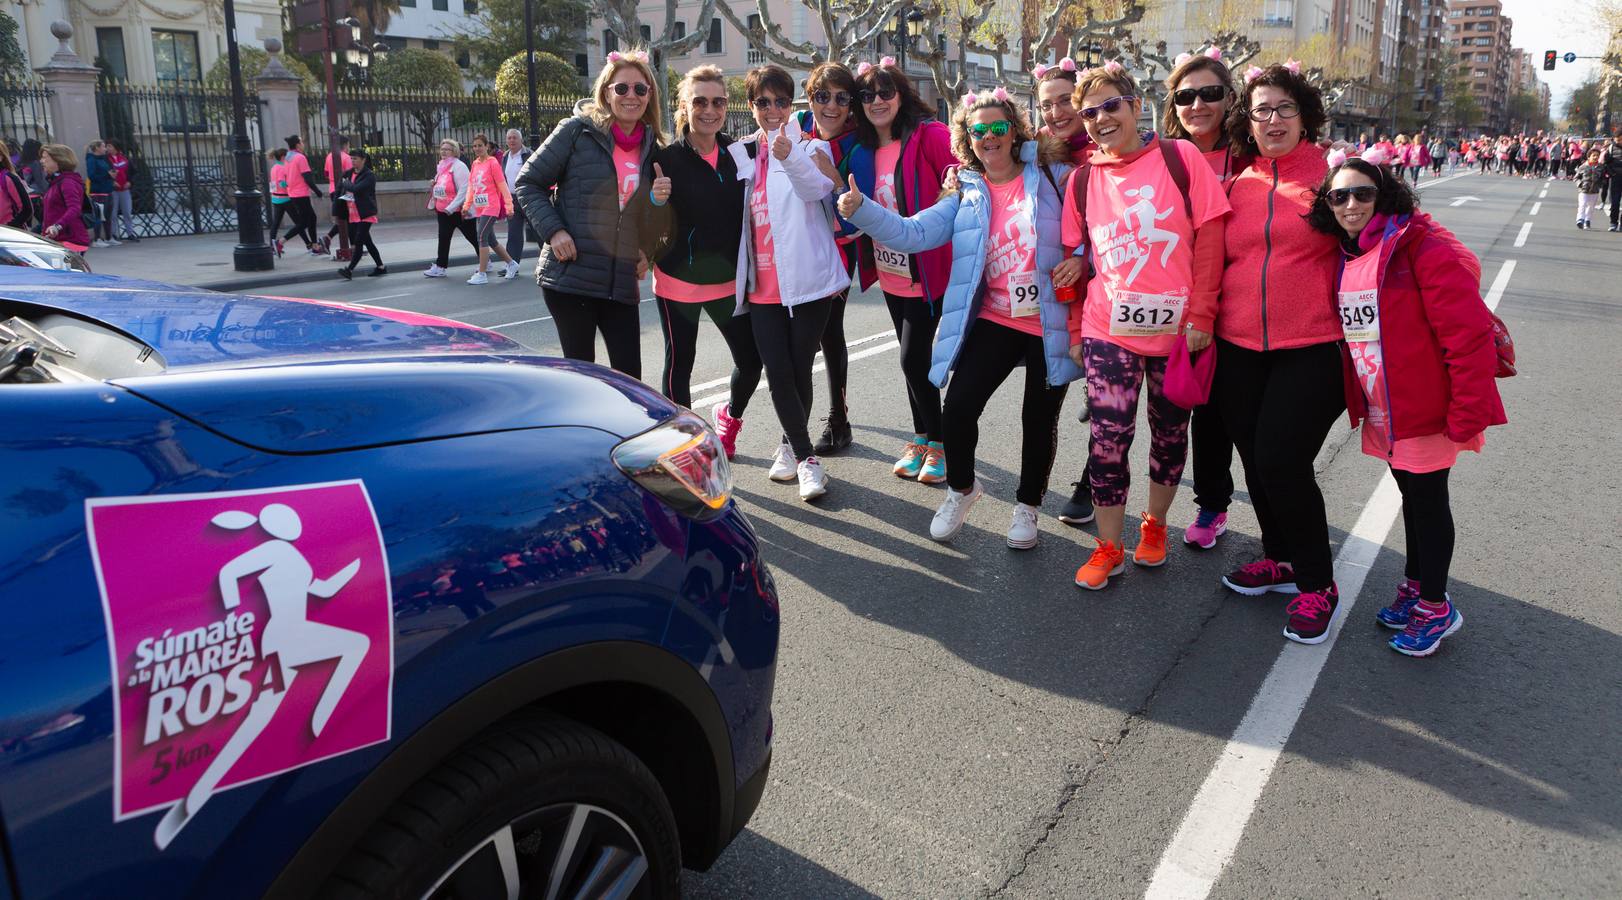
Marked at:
<point>960,720</point>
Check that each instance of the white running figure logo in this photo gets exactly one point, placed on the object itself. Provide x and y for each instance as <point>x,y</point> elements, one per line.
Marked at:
<point>1148,231</point>
<point>289,640</point>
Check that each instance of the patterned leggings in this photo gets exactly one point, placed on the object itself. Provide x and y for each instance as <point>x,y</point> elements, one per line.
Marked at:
<point>1115,378</point>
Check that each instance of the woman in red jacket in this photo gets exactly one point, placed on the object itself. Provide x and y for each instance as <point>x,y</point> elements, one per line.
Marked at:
<point>1419,362</point>
<point>1278,381</point>
<point>64,199</point>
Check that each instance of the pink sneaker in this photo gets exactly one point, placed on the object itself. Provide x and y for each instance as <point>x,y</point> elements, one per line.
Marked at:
<point>727,428</point>
<point>1206,528</point>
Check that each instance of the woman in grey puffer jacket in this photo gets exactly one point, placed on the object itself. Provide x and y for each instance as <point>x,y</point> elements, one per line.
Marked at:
<point>596,228</point>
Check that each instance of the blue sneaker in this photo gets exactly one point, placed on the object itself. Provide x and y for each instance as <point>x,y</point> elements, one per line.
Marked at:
<point>912,459</point>
<point>1396,615</point>
<point>1425,632</point>
<point>934,468</point>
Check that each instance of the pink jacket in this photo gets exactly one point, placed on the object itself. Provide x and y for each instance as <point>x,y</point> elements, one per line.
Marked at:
<point>1278,287</point>
<point>925,157</point>
<point>64,202</point>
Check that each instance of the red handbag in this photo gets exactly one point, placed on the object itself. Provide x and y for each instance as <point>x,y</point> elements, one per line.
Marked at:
<point>1188,376</point>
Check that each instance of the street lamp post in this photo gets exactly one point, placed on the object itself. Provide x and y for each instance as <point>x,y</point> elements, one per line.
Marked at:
<point>252,253</point>
<point>529,63</point>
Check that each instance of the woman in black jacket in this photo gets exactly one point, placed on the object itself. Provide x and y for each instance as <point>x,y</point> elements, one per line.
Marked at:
<point>358,186</point>
<point>596,225</point>
<point>697,273</point>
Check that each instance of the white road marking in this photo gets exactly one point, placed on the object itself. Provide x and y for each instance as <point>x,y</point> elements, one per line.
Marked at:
<point>1520,239</point>
<point>702,402</point>
<point>1443,180</point>
<point>383,297</point>
<point>1210,832</point>
<point>1543,193</point>
<point>708,385</point>
<point>532,321</point>
<point>1537,206</point>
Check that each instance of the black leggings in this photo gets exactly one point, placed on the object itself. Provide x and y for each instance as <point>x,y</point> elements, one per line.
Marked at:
<point>787,339</point>
<point>449,224</point>
<point>303,216</point>
<point>277,210</point>
<point>915,323</point>
<point>360,238</point>
<point>990,353</point>
<point>1279,406</point>
<point>680,323</point>
<point>579,318</point>
<point>340,219</point>
<point>1213,458</point>
<point>1427,524</point>
<point>836,355</point>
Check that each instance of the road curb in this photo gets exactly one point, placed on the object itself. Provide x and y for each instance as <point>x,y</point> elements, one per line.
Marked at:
<point>248,282</point>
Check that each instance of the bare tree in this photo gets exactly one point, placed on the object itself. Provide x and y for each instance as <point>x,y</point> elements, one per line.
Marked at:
<point>626,24</point>
<point>849,28</point>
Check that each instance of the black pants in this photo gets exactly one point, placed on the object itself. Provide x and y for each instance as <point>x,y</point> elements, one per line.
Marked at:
<point>835,354</point>
<point>449,224</point>
<point>340,219</point>
<point>787,338</point>
<point>1279,406</point>
<point>303,216</point>
<point>516,225</point>
<point>915,323</point>
<point>277,210</point>
<point>1213,458</point>
<point>360,238</point>
<point>1427,524</point>
<point>680,324</point>
<point>1616,200</point>
<point>990,353</point>
<point>579,318</point>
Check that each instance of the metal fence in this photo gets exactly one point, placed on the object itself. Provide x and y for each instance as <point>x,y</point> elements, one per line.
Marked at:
<point>178,140</point>
<point>25,108</point>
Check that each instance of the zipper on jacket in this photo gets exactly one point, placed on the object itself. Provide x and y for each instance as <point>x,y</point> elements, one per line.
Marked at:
<point>1267,257</point>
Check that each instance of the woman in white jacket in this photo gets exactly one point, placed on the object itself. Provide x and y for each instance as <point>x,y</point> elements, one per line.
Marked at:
<point>788,296</point>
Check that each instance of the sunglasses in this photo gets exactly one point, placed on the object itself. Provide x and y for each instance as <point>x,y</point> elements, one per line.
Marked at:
<point>1365,193</point>
<point>1047,106</point>
<point>1211,93</point>
<point>881,94</point>
<point>707,102</point>
<point>1109,106</point>
<point>765,103</point>
<point>823,98</point>
<point>621,88</point>
<point>979,130</point>
<point>1284,110</point>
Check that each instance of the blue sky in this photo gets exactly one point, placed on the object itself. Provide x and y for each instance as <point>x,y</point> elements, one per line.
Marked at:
<point>1556,25</point>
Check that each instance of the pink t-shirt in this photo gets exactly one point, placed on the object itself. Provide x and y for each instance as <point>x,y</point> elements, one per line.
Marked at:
<point>486,188</point>
<point>278,180</point>
<point>1143,247</point>
<point>628,169</point>
<point>765,291</point>
<point>297,168</point>
<point>895,271</point>
<point>332,177</point>
<point>1011,260</point>
<point>672,288</point>
<point>713,157</point>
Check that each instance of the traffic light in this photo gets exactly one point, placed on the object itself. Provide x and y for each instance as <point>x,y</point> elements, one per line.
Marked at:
<point>1549,56</point>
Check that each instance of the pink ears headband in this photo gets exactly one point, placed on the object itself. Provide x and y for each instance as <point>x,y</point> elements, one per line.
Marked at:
<point>885,62</point>
<point>1000,95</point>
<point>1064,65</point>
<point>628,56</point>
<point>1254,72</point>
<point>1374,156</point>
<point>1209,53</point>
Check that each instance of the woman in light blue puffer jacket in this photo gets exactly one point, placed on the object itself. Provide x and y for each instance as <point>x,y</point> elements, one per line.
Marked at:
<point>1000,312</point>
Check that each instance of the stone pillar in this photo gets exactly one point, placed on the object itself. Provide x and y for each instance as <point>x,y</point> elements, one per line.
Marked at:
<point>278,94</point>
<point>74,121</point>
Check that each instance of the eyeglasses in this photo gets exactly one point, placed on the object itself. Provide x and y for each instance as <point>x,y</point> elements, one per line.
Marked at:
<point>1047,106</point>
<point>1284,110</point>
<point>1211,93</point>
<point>823,98</point>
<point>621,88</point>
<point>979,130</point>
<point>1109,106</point>
<point>881,94</point>
<point>1365,193</point>
<point>707,102</point>
<point>765,103</point>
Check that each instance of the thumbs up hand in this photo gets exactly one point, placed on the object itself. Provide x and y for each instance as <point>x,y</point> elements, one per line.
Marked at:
<point>781,146</point>
<point>660,190</point>
<point>851,200</point>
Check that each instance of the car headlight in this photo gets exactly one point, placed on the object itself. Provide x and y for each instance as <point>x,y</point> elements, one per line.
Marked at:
<point>682,462</point>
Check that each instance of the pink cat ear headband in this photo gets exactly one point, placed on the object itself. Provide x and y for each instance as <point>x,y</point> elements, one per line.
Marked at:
<point>1000,95</point>
<point>885,62</point>
<point>628,56</point>
<point>1374,156</point>
<point>1064,65</point>
<point>1254,72</point>
<point>1210,53</point>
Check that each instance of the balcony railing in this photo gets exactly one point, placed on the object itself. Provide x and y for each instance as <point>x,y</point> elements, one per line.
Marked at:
<point>1276,22</point>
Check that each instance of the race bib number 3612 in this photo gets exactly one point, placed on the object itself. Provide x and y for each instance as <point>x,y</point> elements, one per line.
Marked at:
<point>1133,314</point>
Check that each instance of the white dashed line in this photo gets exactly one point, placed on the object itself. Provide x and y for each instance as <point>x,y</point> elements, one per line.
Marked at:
<point>1520,239</point>
<point>1537,206</point>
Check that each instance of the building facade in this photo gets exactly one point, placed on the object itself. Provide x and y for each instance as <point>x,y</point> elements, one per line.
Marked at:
<point>1481,34</point>
<point>165,42</point>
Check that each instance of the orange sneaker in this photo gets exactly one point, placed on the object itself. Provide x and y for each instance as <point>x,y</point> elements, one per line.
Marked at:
<point>1151,542</point>
<point>1109,559</point>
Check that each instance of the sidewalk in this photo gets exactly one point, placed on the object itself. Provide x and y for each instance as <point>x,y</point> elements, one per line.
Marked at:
<point>204,260</point>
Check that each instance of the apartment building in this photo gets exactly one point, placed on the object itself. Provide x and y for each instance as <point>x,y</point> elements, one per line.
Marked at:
<point>143,41</point>
<point>1434,57</point>
<point>1481,34</point>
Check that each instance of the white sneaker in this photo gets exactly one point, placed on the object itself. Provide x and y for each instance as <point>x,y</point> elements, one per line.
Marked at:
<point>954,510</point>
<point>433,271</point>
<point>813,481</point>
<point>98,242</point>
<point>114,242</point>
<point>1022,531</point>
<point>783,468</point>
<point>512,271</point>
<point>478,278</point>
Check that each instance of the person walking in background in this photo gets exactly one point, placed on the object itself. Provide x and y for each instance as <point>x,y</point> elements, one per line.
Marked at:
<point>300,186</point>
<point>487,202</point>
<point>337,163</point>
<point>123,215</point>
<point>1589,177</point>
<point>64,199</point>
<point>446,199</point>
<point>100,175</point>
<point>513,158</point>
<point>1612,160</point>
<point>278,195</point>
<point>596,224</point>
<point>900,159</point>
<point>15,209</point>
<point>359,183</point>
<point>32,171</point>
<point>1418,363</point>
<point>698,207</point>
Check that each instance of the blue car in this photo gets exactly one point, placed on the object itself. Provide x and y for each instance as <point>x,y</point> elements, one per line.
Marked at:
<point>311,599</point>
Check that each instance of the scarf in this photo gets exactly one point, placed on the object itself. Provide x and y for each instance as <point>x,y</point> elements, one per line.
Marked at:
<point>627,141</point>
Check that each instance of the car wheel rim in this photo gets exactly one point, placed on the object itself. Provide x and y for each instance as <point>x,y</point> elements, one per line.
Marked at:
<point>563,850</point>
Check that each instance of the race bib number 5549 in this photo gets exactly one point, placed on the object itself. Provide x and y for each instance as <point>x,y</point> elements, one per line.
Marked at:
<point>1360,316</point>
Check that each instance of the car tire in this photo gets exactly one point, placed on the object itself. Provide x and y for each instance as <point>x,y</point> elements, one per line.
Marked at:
<point>532,791</point>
